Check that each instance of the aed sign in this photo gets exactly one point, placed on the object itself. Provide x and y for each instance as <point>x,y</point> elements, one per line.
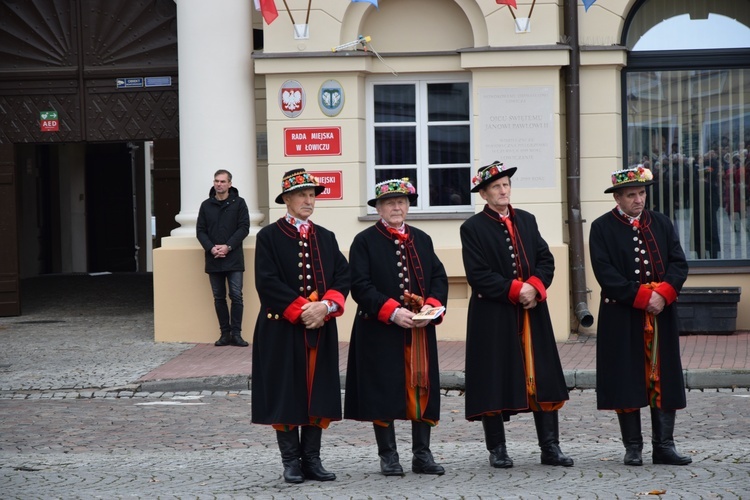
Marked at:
<point>312,141</point>
<point>332,181</point>
<point>48,121</point>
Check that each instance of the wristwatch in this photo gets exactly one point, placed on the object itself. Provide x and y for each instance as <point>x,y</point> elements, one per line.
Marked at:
<point>229,248</point>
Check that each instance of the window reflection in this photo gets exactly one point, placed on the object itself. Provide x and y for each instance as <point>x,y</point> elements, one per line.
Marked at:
<point>692,128</point>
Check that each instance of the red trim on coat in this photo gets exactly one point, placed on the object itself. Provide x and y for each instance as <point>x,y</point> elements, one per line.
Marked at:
<point>642,297</point>
<point>294,310</point>
<point>537,283</point>
<point>667,291</point>
<point>338,298</point>
<point>515,291</point>
<point>385,312</point>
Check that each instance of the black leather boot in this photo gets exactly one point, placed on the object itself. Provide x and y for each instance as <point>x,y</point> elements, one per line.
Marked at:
<point>312,468</point>
<point>494,438</point>
<point>423,462</point>
<point>238,340</point>
<point>548,432</point>
<point>386,439</point>
<point>290,455</point>
<point>662,439</point>
<point>223,340</point>
<point>630,427</point>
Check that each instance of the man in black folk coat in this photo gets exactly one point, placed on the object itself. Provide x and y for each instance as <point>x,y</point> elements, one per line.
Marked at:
<point>302,279</point>
<point>512,363</point>
<point>392,373</point>
<point>223,223</point>
<point>640,266</point>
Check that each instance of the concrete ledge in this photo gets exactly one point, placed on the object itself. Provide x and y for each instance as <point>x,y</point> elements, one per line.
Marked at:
<point>456,381</point>
<point>219,383</point>
<point>717,379</point>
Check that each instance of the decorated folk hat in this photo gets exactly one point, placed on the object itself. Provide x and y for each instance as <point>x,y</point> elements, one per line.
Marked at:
<point>489,173</point>
<point>392,188</point>
<point>636,176</point>
<point>298,179</point>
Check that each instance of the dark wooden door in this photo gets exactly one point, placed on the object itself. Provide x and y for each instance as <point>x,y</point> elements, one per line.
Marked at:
<point>10,300</point>
<point>166,186</point>
<point>110,208</point>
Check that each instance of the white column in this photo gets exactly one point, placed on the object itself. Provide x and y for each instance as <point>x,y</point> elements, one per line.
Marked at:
<point>217,104</point>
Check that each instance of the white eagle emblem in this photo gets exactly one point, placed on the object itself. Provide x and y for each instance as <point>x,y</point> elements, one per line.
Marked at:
<point>291,99</point>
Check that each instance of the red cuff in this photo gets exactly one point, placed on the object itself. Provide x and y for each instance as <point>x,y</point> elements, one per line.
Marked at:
<point>515,291</point>
<point>642,297</point>
<point>667,291</point>
<point>294,310</point>
<point>385,312</point>
<point>541,290</point>
<point>338,298</point>
<point>433,302</point>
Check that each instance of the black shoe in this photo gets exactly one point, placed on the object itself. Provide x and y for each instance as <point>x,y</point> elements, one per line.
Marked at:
<point>547,429</point>
<point>225,339</point>
<point>423,461</point>
<point>289,446</point>
<point>630,427</point>
<point>494,437</point>
<point>664,451</point>
<point>312,468</point>
<point>387,451</point>
<point>238,341</point>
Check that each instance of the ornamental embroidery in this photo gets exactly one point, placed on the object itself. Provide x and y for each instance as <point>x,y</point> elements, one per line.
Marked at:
<point>400,186</point>
<point>490,170</point>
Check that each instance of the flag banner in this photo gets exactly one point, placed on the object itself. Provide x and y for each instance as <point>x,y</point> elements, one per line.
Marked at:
<point>374,2</point>
<point>588,3</point>
<point>268,9</point>
<point>511,3</point>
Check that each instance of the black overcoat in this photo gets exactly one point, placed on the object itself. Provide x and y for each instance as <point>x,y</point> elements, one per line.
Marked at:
<point>623,259</point>
<point>225,222</point>
<point>495,376</point>
<point>280,393</point>
<point>375,375</point>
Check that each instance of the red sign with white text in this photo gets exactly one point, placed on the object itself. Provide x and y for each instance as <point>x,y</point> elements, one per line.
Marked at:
<point>312,141</point>
<point>332,181</point>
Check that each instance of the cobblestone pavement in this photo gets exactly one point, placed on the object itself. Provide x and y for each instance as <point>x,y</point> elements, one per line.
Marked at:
<point>202,445</point>
<point>80,331</point>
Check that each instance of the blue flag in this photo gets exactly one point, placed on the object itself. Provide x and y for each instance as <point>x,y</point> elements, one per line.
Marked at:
<point>374,2</point>
<point>588,3</point>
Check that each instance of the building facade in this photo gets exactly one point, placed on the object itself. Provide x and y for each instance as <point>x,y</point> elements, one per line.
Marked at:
<point>359,92</point>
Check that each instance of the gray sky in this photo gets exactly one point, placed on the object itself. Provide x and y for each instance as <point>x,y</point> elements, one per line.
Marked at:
<point>681,32</point>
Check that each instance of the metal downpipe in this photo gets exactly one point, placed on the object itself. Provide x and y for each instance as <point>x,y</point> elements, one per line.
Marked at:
<point>579,291</point>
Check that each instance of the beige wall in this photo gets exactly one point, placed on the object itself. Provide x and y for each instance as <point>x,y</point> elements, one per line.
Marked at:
<point>405,38</point>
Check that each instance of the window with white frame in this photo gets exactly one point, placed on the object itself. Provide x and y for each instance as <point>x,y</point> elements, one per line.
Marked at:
<point>421,129</point>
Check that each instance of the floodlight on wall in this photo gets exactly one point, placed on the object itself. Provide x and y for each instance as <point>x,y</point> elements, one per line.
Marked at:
<point>364,40</point>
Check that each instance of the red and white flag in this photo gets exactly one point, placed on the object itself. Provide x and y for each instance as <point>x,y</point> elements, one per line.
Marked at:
<point>268,9</point>
<point>511,3</point>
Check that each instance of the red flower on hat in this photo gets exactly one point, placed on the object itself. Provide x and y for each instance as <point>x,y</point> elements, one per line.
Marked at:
<point>300,179</point>
<point>287,184</point>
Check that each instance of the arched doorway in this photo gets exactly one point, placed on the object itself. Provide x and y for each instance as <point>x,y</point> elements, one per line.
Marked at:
<point>76,188</point>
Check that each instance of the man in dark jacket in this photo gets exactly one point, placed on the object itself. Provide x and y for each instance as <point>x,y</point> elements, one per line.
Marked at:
<point>512,363</point>
<point>302,279</point>
<point>223,222</point>
<point>640,266</point>
<point>393,366</point>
